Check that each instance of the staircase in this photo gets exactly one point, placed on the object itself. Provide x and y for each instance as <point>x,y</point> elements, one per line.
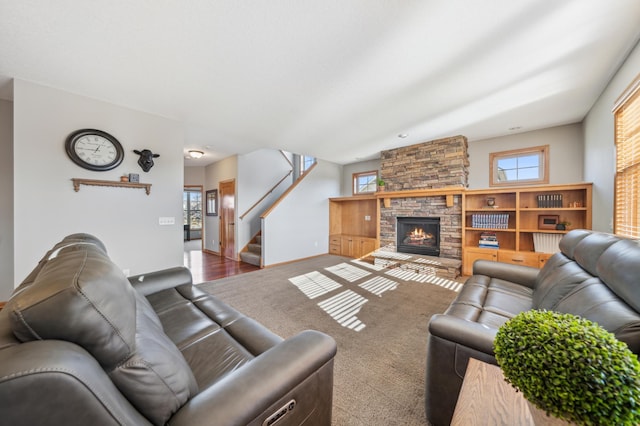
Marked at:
<point>253,255</point>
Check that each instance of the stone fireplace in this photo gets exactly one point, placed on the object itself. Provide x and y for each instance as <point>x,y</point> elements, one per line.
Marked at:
<point>441,163</point>
<point>418,235</point>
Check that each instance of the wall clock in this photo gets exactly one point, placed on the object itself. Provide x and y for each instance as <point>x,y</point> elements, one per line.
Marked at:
<point>94,150</point>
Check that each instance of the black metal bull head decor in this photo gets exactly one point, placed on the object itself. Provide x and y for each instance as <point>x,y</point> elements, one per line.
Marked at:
<point>146,159</point>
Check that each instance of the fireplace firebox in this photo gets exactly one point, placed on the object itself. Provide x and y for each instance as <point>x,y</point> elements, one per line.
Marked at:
<point>418,235</point>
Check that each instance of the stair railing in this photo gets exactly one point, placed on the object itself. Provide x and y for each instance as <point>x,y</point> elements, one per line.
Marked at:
<point>285,193</point>
<point>242,216</point>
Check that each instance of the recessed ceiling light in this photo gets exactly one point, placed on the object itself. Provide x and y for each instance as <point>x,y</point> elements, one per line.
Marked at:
<point>195,154</point>
<point>403,135</point>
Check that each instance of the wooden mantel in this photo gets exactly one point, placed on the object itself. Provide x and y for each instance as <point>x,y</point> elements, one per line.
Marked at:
<point>448,192</point>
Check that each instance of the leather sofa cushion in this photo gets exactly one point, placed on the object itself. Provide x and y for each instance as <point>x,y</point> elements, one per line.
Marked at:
<point>80,296</point>
<point>619,266</point>
<point>155,378</point>
<point>556,279</point>
<point>490,301</point>
<point>595,301</point>
<point>570,240</point>
<point>588,251</point>
<point>214,338</point>
<point>72,241</point>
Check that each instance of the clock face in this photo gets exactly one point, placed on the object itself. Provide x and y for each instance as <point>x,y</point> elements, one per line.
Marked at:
<point>94,150</point>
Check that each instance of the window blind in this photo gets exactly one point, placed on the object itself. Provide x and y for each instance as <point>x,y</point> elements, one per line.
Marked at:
<point>627,179</point>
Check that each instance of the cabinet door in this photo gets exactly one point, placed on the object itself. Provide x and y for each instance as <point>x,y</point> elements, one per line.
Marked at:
<point>347,246</point>
<point>471,255</point>
<point>367,245</point>
<point>519,258</point>
<point>542,259</point>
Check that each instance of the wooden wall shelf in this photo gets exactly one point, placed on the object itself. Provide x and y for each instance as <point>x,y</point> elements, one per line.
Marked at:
<point>92,182</point>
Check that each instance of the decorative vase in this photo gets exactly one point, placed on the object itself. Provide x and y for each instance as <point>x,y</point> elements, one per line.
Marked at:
<point>380,188</point>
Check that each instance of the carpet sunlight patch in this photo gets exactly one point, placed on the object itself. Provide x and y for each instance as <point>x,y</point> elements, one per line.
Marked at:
<point>314,284</point>
<point>376,267</point>
<point>410,275</point>
<point>343,308</point>
<point>348,272</point>
<point>379,285</point>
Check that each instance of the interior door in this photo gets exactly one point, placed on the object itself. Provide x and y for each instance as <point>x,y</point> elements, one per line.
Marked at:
<point>228,219</point>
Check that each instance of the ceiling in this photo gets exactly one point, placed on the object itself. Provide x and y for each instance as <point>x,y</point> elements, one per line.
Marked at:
<point>334,79</point>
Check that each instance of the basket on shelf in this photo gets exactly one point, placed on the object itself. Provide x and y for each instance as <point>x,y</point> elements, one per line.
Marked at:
<point>546,243</point>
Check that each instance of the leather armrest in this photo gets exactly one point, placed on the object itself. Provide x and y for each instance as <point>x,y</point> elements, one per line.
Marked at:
<point>58,382</point>
<point>156,281</point>
<point>245,394</point>
<point>468,333</point>
<point>519,274</point>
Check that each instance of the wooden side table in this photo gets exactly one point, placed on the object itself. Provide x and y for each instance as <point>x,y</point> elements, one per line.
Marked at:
<point>486,399</point>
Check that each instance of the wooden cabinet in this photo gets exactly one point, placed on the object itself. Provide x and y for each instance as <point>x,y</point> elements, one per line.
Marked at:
<point>355,246</point>
<point>517,216</point>
<point>473,253</point>
<point>335,244</point>
<point>519,258</point>
<point>354,224</point>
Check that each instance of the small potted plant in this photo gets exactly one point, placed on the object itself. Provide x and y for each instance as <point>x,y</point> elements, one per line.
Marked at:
<point>570,368</point>
<point>381,184</point>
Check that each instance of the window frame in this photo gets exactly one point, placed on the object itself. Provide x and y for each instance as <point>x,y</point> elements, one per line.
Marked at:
<point>354,180</point>
<point>187,213</point>
<point>626,191</point>
<point>543,175</point>
<point>306,162</point>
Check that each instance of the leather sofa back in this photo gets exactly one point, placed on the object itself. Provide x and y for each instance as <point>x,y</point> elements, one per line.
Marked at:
<point>77,294</point>
<point>593,276</point>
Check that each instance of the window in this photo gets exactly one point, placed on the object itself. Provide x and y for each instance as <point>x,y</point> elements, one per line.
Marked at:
<point>192,208</point>
<point>365,182</point>
<point>306,162</point>
<point>626,111</point>
<point>519,166</point>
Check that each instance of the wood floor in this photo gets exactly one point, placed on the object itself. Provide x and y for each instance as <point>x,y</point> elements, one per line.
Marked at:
<point>207,267</point>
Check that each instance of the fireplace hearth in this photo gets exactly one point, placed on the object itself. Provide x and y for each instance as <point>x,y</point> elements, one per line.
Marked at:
<point>418,235</point>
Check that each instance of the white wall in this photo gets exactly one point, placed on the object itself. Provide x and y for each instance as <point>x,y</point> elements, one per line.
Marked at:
<point>6,198</point>
<point>194,176</point>
<point>599,159</point>
<point>46,208</point>
<point>258,172</point>
<point>299,226</point>
<point>215,173</point>
<point>565,153</point>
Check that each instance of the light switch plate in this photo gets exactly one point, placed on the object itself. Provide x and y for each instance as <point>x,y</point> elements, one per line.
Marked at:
<point>167,220</point>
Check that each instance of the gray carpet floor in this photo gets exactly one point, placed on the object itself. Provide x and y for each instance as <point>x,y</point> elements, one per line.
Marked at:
<point>378,318</point>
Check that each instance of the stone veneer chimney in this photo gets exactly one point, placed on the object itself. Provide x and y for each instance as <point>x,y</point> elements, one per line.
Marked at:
<point>435,164</point>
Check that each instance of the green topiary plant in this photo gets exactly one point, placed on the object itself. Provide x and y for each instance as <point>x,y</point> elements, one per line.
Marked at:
<point>570,367</point>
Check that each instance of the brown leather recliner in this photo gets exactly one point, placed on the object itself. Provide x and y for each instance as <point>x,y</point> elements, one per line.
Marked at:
<point>595,276</point>
<point>80,344</point>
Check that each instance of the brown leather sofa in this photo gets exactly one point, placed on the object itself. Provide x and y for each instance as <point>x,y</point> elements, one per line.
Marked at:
<point>595,275</point>
<point>80,344</point>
